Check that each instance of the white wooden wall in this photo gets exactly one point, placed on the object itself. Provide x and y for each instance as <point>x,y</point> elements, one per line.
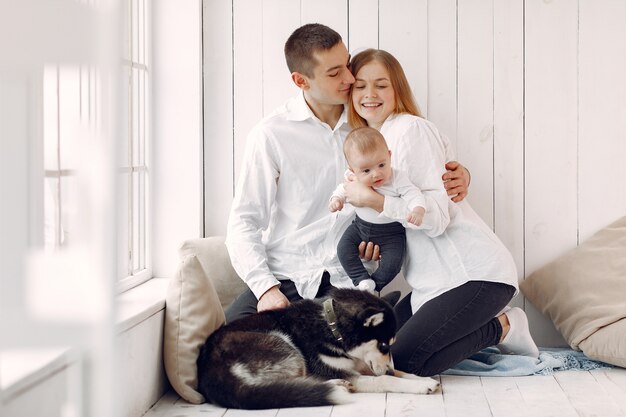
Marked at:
<point>531,93</point>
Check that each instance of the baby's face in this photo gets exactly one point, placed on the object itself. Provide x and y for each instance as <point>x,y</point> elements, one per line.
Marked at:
<point>373,168</point>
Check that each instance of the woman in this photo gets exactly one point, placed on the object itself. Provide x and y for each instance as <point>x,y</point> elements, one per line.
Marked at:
<point>461,275</point>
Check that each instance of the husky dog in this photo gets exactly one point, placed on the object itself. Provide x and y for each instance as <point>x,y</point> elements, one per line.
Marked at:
<point>311,353</point>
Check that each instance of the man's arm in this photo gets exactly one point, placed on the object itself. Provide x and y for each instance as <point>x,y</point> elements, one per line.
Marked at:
<point>249,216</point>
<point>272,299</point>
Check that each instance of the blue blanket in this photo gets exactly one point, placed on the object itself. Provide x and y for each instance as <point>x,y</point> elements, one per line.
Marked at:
<point>490,362</point>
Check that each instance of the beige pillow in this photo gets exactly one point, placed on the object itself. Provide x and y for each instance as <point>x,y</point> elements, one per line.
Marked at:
<point>214,258</point>
<point>608,344</point>
<point>192,312</point>
<point>584,293</point>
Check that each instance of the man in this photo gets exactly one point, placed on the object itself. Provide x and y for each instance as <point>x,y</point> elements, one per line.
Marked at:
<point>281,237</point>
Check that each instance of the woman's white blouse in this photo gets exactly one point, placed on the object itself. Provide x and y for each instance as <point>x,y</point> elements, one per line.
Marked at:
<point>454,246</point>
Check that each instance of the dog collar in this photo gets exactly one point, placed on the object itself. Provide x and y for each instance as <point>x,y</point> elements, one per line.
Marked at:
<point>331,318</point>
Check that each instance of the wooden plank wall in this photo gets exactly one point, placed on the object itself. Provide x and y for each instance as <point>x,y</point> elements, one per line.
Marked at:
<point>532,95</point>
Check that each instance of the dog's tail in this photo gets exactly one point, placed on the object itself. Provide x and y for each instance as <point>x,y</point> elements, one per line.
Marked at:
<point>292,392</point>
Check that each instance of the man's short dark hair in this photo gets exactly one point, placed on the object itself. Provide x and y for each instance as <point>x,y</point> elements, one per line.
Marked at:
<point>303,42</point>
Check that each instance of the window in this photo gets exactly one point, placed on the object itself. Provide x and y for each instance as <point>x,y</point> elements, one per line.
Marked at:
<point>66,95</point>
<point>133,185</point>
<point>71,97</point>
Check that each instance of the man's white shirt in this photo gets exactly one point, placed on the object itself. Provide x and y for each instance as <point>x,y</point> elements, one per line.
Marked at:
<point>279,226</point>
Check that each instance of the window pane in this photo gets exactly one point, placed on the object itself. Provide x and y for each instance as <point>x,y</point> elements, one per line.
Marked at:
<point>69,116</point>
<point>141,29</point>
<point>142,221</point>
<point>50,117</point>
<point>122,207</point>
<point>52,223</point>
<point>94,95</point>
<point>136,97</point>
<point>141,159</point>
<point>135,30</point>
<point>125,35</point>
<point>136,221</point>
<point>69,208</point>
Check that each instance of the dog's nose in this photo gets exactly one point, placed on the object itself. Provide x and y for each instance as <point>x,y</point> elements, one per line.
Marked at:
<point>390,367</point>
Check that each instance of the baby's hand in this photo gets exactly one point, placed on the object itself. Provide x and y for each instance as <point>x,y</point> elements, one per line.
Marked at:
<point>335,204</point>
<point>416,216</point>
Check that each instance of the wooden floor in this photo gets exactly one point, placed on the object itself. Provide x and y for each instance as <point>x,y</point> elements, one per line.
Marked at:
<point>598,393</point>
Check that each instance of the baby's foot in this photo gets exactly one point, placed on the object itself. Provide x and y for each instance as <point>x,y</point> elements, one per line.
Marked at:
<point>367,285</point>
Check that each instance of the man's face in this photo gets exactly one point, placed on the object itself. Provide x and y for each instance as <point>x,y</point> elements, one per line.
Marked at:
<point>332,78</point>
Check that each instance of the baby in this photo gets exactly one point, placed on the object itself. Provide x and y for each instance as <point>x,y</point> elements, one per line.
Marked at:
<point>369,162</point>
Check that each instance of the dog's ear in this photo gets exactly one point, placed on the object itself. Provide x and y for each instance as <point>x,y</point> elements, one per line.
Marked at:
<point>392,297</point>
<point>371,317</point>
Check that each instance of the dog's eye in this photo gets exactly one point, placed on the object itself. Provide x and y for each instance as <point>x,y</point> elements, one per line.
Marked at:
<point>383,347</point>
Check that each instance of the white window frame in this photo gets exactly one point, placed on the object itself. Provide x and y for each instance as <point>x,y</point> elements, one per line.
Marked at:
<point>134,265</point>
<point>136,65</point>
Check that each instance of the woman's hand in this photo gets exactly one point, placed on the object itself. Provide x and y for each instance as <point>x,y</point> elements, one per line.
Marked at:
<point>456,180</point>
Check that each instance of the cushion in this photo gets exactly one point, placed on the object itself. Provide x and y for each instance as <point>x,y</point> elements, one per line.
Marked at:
<point>583,292</point>
<point>607,344</point>
<point>213,256</point>
<point>192,312</point>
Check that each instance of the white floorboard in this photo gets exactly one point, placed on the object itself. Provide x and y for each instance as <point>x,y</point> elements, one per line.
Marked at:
<point>597,393</point>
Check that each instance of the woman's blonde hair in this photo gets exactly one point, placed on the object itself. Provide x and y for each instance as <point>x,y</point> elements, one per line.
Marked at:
<point>405,102</point>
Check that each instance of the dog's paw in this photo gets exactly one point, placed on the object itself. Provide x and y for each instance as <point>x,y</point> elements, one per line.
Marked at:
<point>421,385</point>
<point>341,391</point>
<point>342,383</point>
<point>431,385</point>
<point>424,385</point>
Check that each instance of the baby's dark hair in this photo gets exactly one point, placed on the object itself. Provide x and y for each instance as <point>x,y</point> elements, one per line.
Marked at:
<point>303,42</point>
<point>363,140</point>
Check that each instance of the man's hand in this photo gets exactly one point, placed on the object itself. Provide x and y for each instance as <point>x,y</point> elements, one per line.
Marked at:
<point>335,204</point>
<point>360,195</point>
<point>272,299</point>
<point>369,251</point>
<point>456,180</point>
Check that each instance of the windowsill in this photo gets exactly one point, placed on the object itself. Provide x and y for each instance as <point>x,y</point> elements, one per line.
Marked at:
<point>24,368</point>
<point>139,303</point>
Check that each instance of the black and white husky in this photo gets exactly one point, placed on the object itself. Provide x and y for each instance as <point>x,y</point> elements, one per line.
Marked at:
<point>311,353</point>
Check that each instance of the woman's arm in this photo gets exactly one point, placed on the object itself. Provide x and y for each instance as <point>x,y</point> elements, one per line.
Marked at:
<point>419,151</point>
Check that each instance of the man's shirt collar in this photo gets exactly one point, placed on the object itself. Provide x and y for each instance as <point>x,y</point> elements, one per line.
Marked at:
<point>301,111</point>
